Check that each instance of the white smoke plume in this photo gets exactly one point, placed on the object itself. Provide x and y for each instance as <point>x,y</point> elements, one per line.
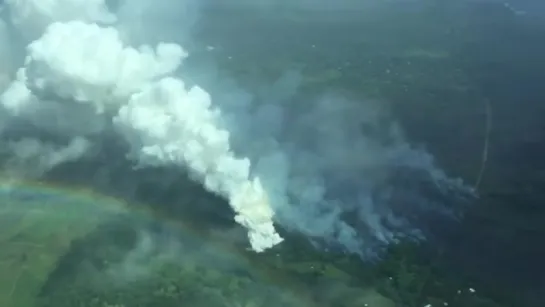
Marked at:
<point>304,167</point>
<point>171,124</point>
<point>77,61</point>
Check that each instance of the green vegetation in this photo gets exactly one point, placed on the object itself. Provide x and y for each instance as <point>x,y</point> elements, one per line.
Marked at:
<point>305,277</point>
<point>35,234</point>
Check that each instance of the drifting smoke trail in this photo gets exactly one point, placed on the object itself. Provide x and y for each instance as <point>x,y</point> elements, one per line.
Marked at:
<point>86,64</point>
<point>308,167</point>
<point>32,158</point>
<point>175,125</point>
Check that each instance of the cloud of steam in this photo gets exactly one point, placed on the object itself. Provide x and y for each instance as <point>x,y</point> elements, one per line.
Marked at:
<point>327,168</point>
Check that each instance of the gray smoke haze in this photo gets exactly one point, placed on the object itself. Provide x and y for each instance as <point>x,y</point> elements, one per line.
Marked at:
<point>341,169</point>
<point>336,169</point>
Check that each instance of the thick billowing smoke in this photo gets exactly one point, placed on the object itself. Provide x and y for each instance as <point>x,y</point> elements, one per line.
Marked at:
<point>306,166</point>
<point>340,170</point>
<point>78,62</point>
